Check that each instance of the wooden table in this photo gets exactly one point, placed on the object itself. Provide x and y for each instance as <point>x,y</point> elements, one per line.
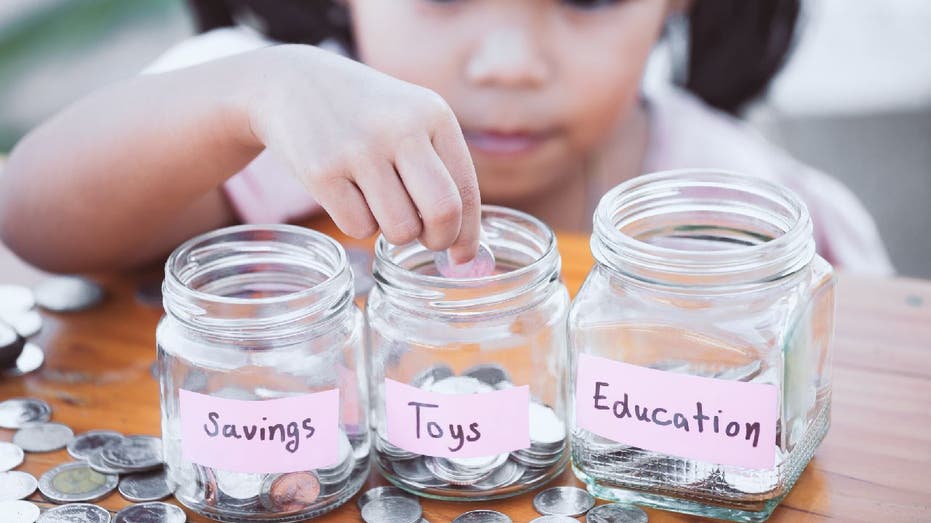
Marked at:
<point>873,467</point>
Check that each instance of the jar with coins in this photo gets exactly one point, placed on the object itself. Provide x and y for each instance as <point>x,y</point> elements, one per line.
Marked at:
<point>263,385</point>
<point>468,362</point>
<point>701,361</point>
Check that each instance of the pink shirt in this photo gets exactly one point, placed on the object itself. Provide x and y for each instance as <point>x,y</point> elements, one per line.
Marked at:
<point>684,133</point>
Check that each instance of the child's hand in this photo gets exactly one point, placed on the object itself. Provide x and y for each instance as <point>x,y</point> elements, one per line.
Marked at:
<point>374,151</point>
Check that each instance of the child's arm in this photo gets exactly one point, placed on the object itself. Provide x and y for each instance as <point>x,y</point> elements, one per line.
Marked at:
<point>124,175</point>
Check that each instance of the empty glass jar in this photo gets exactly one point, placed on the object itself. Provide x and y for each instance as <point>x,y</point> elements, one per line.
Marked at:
<point>263,385</point>
<point>468,375</point>
<point>700,345</point>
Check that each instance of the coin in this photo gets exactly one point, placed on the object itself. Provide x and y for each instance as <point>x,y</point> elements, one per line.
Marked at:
<point>392,510</point>
<point>134,453</point>
<point>616,513</point>
<point>83,445</point>
<point>26,323</point>
<point>490,373</point>
<point>152,512</point>
<point>11,345</point>
<point>482,516</point>
<point>18,511</point>
<point>16,485</point>
<point>75,481</point>
<point>11,456</point>
<point>31,359</point>
<point>290,492</point>
<point>360,262</point>
<point>563,501</point>
<point>75,513</point>
<point>554,519</point>
<point>16,412</point>
<point>431,375</point>
<point>546,427</point>
<point>381,492</point>
<point>67,294</point>
<point>239,485</point>
<point>43,436</point>
<point>16,298</point>
<point>145,486</point>
<point>96,462</point>
<point>481,266</point>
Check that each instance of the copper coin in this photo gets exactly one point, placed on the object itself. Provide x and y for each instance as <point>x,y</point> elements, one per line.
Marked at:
<point>290,492</point>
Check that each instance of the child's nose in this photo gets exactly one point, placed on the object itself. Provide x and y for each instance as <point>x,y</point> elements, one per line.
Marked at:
<point>508,57</point>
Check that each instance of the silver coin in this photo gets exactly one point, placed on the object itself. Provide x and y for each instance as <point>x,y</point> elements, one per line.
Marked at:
<point>360,262</point>
<point>11,456</point>
<point>134,453</point>
<point>482,516</point>
<point>483,265</point>
<point>554,519</point>
<point>67,294</point>
<point>490,373</point>
<point>29,360</point>
<point>392,510</point>
<point>75,513</point>
<point>563,501</point>
<point>16,298</point>
<point>239,485</point>
<point>381,492</point>
<point>430,375</point>
<point>16,485</point>
<point>146,486</point>
<point>76,481</point>
<point>83,445</point>
<point>43,436</point>
<point>546,427</point>
<point>152,512</point>
<point>18,511</point>
<point>507,474</point>
<point>616,513</point>
<point>459,385</point>
<point>96,462</point>
<point>16,412</point>
<point>26,323</point>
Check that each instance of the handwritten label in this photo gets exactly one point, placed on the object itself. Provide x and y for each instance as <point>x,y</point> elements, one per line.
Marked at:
<point>719,421</point>
<point>457,425</point>
<point>276,435</point>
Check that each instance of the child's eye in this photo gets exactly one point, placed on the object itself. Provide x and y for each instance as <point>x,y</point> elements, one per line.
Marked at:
<point>589,4</point>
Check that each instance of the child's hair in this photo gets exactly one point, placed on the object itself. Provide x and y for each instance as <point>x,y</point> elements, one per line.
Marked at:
<point>735,47</point>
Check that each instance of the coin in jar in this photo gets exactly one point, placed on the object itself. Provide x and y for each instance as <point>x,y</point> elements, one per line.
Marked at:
<point>563,501</point>
<point>290,492</point>
<point>392,510</point>
<point>83,445</point>
<point>152,512</point>
<point>18,511</point>
<point>43,436</point>
<point>16,412</point>
<point>75,481</point>
<point>11,456</point>
<point>482,265</point>
<point>145,486</point>
<point>16,484</point>
<point>482,516</point>
<point>616,513</point>
<point>75,513</point>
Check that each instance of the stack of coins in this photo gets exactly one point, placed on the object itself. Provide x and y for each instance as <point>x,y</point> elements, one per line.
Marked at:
<point>19,320</point>
<point>486,473</point>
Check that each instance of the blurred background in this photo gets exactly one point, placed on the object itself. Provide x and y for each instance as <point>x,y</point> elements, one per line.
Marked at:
<point>853,101</point>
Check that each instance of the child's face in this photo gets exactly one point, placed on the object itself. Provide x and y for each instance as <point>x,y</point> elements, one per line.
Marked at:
<point>538,85</point>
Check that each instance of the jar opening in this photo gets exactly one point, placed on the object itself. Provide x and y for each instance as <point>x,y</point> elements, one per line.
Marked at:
<point>702,228</point>
<point>525,258</point>
<point>255,278</point>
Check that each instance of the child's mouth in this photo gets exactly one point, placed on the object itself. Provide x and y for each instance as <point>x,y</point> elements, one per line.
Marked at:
<point>505,143</point>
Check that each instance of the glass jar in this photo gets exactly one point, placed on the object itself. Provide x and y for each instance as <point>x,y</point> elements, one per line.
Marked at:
<point>700,345</point>
<point>468,374</point>
<point>263,385</point>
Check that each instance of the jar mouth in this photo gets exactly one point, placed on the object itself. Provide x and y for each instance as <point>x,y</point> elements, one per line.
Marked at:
<point>255,278</point>
<point>525,253</point>
<point>702,227</point>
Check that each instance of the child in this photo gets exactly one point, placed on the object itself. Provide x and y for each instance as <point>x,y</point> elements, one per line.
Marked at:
<point>544,96</point>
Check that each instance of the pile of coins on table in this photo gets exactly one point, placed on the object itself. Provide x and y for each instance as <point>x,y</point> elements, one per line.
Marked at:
<point>487,473</point>
<point>244,493</point>
<point>20,318</point>
<point>105,461</point>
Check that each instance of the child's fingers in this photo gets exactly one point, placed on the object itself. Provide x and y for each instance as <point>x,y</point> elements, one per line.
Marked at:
<point>433,192</point>
<point>343,201</point>
<point>451,147</point>
<point>389,203</point>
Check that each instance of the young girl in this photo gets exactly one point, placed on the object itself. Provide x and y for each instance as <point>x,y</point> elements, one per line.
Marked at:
<point>537,102</point>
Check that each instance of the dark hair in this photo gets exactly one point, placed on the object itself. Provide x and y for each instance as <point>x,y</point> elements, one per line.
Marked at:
<point>735,47</point>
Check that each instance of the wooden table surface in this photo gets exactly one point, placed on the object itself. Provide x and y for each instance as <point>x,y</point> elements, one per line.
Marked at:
<point>873,467</point>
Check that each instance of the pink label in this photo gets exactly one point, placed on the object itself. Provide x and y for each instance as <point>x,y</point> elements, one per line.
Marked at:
<point>719,421</point>
<point>276,435</point>
<point>457,425</point>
